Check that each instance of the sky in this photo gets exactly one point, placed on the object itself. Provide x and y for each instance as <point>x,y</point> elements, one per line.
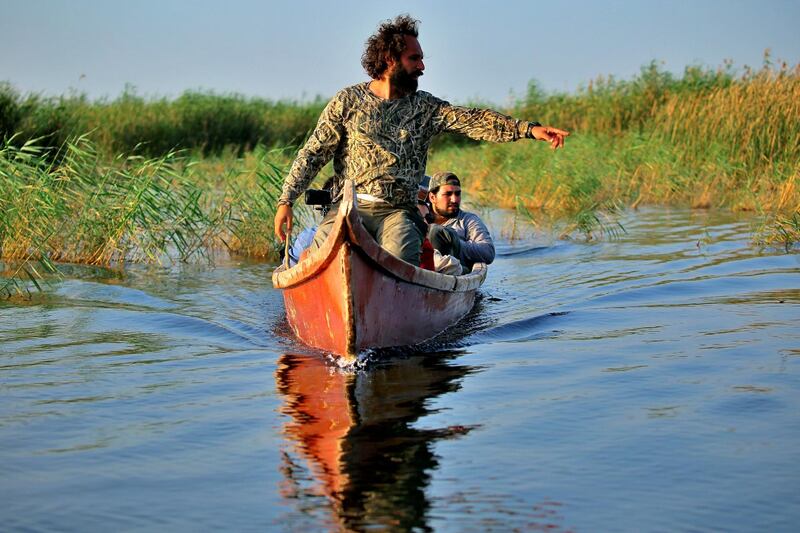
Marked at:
<point>475,51</point>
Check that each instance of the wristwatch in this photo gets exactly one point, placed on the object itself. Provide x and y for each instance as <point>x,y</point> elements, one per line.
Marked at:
<point>529,131</point>
<point>285,202</point>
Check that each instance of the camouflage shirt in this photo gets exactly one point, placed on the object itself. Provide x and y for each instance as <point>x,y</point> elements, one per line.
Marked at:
<point>382,145</point>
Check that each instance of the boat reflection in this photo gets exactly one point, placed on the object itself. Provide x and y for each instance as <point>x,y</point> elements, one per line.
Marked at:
<point>354,431</point>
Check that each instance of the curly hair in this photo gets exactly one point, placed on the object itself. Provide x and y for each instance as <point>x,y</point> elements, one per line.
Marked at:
<point>387,42</point>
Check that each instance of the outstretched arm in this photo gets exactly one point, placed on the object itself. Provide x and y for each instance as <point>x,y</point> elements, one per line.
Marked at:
<point>488,125</point>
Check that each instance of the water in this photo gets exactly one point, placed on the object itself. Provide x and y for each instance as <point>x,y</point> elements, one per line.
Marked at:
<point>651,383</point>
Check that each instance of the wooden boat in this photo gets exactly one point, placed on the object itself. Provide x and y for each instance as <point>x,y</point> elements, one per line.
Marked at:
<point>350,294</point>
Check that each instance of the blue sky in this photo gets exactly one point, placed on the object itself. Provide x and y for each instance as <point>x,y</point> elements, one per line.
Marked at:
<point>298,49</point>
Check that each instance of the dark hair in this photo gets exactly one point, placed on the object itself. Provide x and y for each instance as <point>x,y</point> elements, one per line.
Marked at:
<point>388,42</point>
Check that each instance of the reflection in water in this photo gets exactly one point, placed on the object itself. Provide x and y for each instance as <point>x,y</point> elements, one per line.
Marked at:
<point>355,431</point>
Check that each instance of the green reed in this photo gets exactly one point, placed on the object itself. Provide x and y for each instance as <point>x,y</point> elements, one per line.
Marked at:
<point>76,207</point>
<point>711,138</point>
<point>780,230</point>
<point>204,121</point>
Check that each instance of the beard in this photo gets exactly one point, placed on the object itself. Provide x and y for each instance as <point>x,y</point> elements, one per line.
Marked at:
<point>452,212</point>
<point>404,81</point>
<point>449,211</point>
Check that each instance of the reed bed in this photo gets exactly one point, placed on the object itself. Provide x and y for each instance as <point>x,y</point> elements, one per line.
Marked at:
<point>752,123</point>
<point>708,139</point>
<point>205,122</point>
<point>84,209</point>
<point>197,176</point>
<point>780,230</point>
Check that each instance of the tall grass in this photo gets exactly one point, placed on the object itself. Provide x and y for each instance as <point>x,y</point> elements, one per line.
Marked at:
<point>707,138</point>
<point>78,207</point>
<point>780,230</point>
<point>203,121</point>
<point>752,124</point>
<point>711,138</point>
<point>610,106</point>
<point>84,212</point>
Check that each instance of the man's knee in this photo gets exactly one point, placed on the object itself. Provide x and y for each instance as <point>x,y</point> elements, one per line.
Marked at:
<point>443,239</point>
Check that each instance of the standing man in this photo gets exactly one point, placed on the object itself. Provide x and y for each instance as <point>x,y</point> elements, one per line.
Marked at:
<point>378,134</point>
<point>454,231</point>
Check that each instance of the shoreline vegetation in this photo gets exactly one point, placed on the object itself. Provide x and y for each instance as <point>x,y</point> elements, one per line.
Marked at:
<point>203,171</point>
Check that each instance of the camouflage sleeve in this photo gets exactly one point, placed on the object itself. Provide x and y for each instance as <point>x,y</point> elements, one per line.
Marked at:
<point>480,124</point>
<point>318,150</point>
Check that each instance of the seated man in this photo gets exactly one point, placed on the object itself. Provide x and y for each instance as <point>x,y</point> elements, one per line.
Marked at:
<point>456,232</point>
<point>432,259</point>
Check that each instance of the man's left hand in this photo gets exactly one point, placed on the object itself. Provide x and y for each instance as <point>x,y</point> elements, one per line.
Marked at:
<point>552,135</point>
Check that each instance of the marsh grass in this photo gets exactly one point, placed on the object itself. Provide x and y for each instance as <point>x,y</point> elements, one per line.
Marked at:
<point>172,208</point>
<point>196,176</point>
<point>709,139</point>
<point>782,231</point>
<point>252,192</point>
<point>205,122</point>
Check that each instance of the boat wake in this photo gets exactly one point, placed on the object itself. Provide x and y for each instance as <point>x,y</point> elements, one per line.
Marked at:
<point>507,251</point>
<point>480,328</point>
<point>527,329</point>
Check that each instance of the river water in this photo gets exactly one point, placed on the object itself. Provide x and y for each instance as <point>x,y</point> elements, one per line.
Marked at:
<point>646,383</point>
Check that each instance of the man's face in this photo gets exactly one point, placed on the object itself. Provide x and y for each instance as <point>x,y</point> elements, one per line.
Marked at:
<point>404,73</point>
<point>447,201</point>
